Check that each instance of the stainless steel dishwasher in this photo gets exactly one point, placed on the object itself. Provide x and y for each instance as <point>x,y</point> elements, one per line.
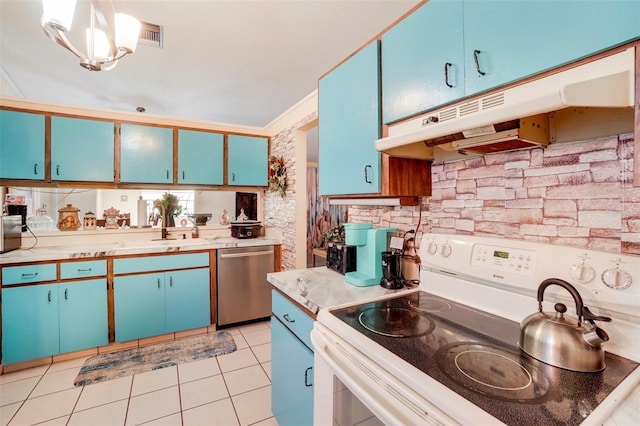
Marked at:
<point>244,293</point>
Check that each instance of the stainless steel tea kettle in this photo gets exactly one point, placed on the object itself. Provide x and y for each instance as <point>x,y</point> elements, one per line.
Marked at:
<point>560,340</point>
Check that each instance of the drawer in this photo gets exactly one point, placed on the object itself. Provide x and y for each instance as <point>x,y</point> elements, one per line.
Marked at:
<point>293,317</point>
<point>160,263</point>
<point>92,268</point>
<point>28,274</point>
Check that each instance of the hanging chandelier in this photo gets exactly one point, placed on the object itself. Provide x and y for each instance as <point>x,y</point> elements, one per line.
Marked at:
<point>103,51</point>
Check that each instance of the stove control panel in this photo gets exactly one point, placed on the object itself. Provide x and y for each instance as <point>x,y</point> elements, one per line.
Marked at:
<point>504,259</point>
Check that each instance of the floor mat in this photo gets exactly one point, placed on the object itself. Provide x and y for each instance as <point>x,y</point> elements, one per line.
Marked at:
<point>139,360</point>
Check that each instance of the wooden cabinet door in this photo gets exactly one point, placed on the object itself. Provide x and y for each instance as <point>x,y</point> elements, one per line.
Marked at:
<point>200,157</point>
<point>139,306</point>
<point>82,150</point>
<point>506,40</point>
<point>291,377</point>
<point>423,60</point>
<point>146,154</point>
<point>29,322</point>
<point>83,314</point>
<point>187,299</point>
<point>22,140</point>
<point>349,125</point>
<point>248,160</point>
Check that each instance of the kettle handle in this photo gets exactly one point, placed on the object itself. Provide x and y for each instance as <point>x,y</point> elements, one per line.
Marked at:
<point>571,289</point>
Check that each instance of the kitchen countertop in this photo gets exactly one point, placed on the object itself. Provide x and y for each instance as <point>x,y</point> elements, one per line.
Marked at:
<point>52,253</point>
<point>318,288</point>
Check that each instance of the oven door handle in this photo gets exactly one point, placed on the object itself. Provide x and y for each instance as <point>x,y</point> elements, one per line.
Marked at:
<point>357,375</point>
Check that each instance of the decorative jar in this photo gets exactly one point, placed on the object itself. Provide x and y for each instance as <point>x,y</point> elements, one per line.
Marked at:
<point>68,219</point>
<point>90,221</point>
<point>111,218</point>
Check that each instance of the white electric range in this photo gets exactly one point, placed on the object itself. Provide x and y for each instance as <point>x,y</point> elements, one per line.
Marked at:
<point>447,352</point>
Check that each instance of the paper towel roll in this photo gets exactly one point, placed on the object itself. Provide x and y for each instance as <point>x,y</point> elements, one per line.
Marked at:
<point>142,212</point>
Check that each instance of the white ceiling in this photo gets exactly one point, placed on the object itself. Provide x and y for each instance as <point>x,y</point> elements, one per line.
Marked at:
<point>232,62</point>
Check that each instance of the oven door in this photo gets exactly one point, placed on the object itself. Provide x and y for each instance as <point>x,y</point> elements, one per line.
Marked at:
<point>350,388</point>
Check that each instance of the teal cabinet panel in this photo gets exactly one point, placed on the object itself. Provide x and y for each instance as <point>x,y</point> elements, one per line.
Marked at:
<point>22,145</point>
<point>200,157</point>
<point>84,269</point>
<point>349,125</point>
<point>28,274</point>
<point>139,304</point>
<point>248,160</point>
<point>188,299</point>
<point>423,60</point>
<point>160,263</point>
<point>146,154</point>
<point>541,35</point>
<point>297,321</point>
<point>29,322</point>
<point>291,378</point>
<point>83,314</point>
<point>82,150</point>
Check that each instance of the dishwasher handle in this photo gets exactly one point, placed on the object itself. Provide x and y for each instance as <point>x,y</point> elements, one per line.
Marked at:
<point>246,254</point>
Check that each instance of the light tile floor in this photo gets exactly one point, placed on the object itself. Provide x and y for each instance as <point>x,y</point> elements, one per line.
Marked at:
<point>232,389</point>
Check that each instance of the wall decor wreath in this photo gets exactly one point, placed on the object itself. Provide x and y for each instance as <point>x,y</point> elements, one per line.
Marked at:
<point>277,175</point>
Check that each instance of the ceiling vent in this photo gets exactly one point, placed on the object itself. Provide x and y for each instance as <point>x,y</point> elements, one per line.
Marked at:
<point>151,35</point>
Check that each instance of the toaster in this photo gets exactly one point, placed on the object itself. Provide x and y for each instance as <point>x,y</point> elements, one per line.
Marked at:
<point>341,257</point>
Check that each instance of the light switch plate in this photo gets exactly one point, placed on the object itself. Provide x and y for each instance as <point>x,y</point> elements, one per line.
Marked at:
<point>396,243</point>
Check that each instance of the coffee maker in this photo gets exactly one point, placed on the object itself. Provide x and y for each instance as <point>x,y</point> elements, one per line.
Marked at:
<point>391,270</point>
<point>370,243</point>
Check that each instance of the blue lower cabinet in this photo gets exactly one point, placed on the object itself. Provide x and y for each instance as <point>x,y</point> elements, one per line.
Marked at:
<point>291,371</point>
<point>45,320</point>
<point>148,305</point>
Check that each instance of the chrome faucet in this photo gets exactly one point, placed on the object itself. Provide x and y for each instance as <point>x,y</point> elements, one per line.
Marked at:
<point>164,233</point>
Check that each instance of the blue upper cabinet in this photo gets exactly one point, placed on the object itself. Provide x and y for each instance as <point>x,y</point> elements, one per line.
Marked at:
<point>146,154</point>
<point>200,157</point>
<point>349,124</point>
<point>82,150</point>
<point>449,49</point>
<point>248,158</point>
<point>508,40</point>
<point>423,60</point>
<point>22,144</point>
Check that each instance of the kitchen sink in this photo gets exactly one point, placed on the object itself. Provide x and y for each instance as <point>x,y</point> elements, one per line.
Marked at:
<point>161,243</point>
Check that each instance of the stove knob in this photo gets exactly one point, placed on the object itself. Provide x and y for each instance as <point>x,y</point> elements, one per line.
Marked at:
<point>432,248</point>
<point>583,273</point>
<point>446,250</point>
<point>616,278</point>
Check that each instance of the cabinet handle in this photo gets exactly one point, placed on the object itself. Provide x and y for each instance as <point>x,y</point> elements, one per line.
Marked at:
<point>35,169</point>
<point>183,175</point>
<point>233,177</point>
<point>306,377</point>
<point>286,317</point>
<point>477,62</point>
<point>84,270</point>
<point>58,170</point>
<point>446,74</point>
<point>170,281</point>
<point>366,175</point>
<point>33,275</point>
<point>66,294</point>
<point>167,174</point>
<point>49,296</point>
<point>158,282</point>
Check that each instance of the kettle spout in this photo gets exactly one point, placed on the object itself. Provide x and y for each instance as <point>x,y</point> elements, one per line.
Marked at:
<point>596,336</point>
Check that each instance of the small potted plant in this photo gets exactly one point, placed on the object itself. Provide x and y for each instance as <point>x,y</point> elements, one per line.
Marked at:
<point>171,206</point>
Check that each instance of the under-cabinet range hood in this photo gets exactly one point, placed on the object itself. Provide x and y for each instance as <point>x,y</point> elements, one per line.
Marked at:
<point>516,117</point>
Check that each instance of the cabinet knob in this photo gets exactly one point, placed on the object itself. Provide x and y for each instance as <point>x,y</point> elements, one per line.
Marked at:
<point>49,296</point>
<point>35,169</point>
<point>286,317</point>
<point>58,170</point>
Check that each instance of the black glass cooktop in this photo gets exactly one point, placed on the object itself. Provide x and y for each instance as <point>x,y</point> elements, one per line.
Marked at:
<point>476,354</point>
